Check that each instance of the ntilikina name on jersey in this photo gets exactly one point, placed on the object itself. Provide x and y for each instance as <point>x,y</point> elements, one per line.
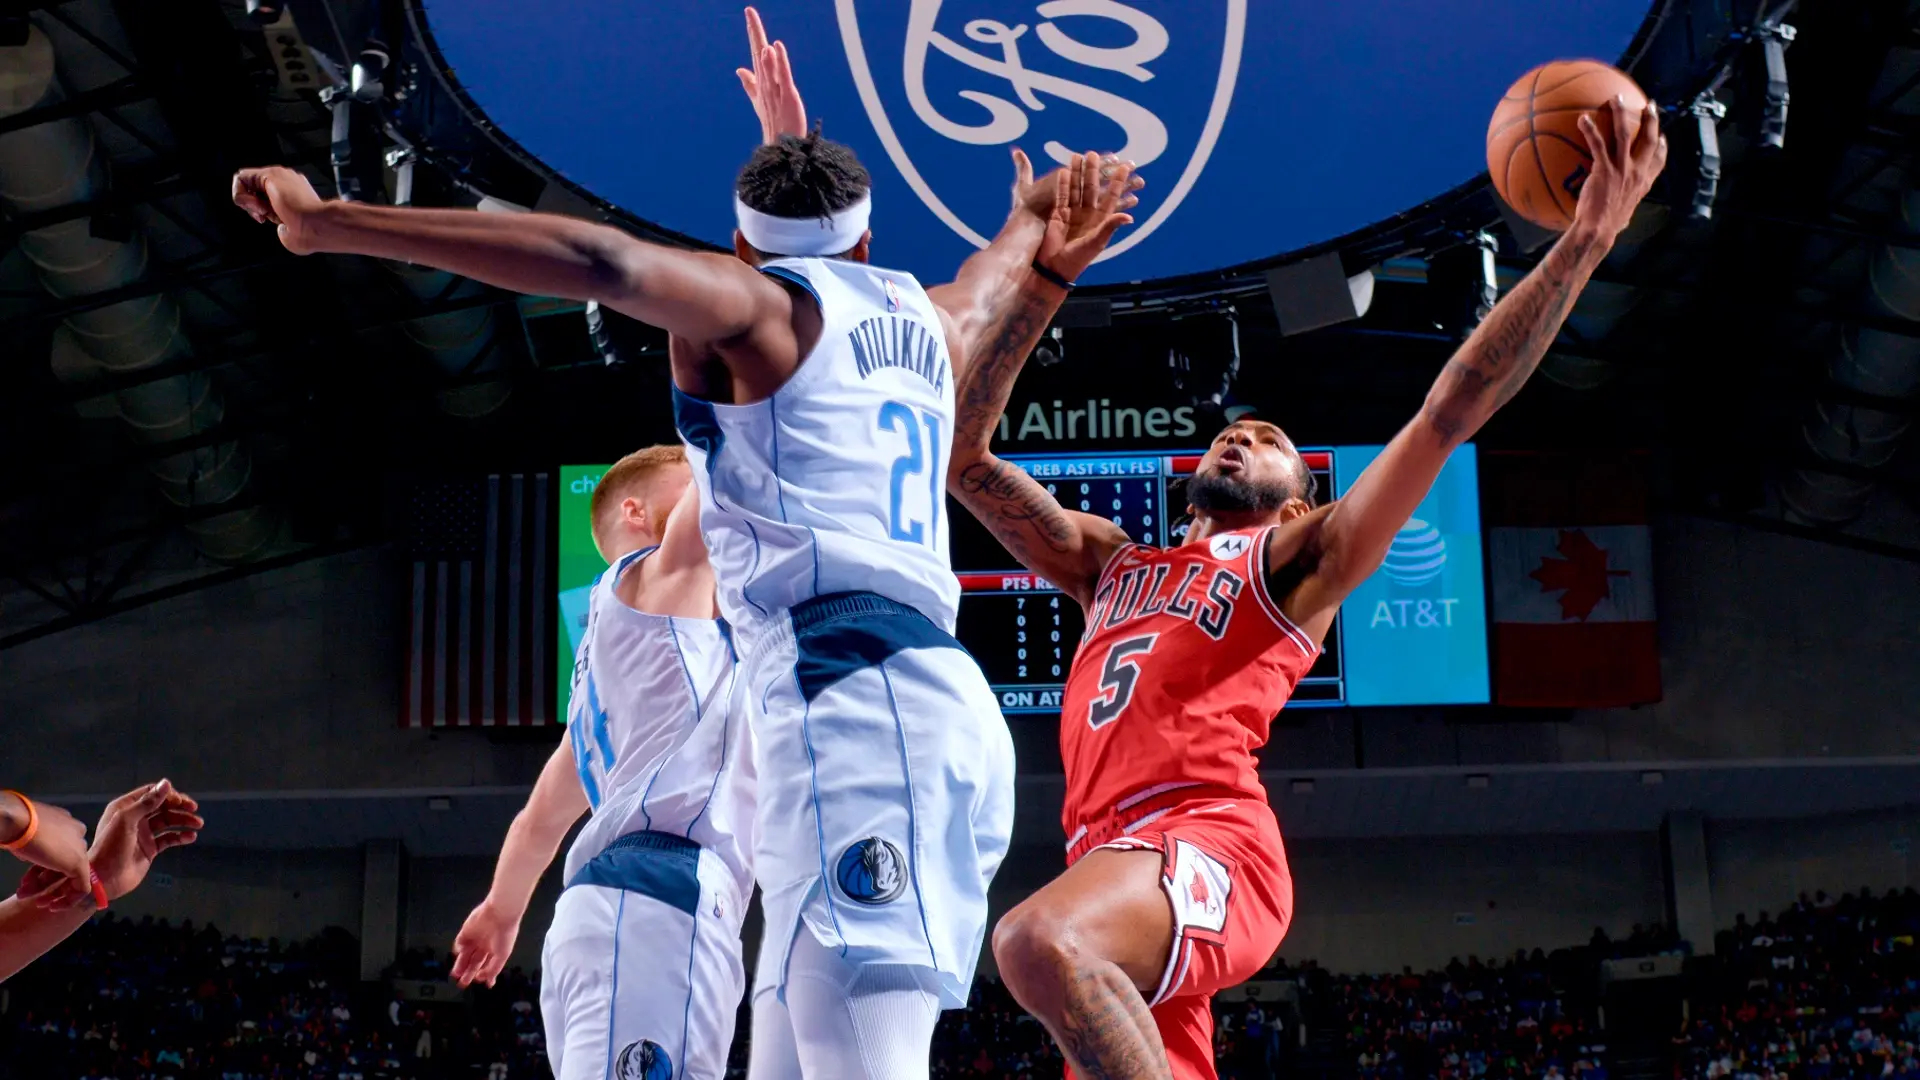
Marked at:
<point>894,341</point>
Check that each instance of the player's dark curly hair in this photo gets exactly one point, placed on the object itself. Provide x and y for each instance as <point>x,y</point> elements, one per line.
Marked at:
<point>809,177</point>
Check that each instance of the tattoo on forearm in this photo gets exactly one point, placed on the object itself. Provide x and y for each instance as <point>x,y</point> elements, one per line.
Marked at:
<point>1493,364</point>
<point>1106,1030</point>
<point>1015,327</point>
<point>1015,508</point>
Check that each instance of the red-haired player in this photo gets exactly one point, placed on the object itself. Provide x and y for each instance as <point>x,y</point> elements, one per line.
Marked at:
<point>1177,885</point>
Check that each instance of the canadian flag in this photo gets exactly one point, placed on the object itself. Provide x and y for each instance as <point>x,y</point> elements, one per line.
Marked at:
<point>1572,566</point>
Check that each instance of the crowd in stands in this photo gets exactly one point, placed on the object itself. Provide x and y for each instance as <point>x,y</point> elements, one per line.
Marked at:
<point>143,1000</point>
<point>1829,989</point>
<point>1499,1020</point>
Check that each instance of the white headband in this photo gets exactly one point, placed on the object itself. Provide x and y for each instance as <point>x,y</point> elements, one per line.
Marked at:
<point>831,235</point>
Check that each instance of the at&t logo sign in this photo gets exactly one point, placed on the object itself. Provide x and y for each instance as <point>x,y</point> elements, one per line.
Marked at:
<point>1416,558</point>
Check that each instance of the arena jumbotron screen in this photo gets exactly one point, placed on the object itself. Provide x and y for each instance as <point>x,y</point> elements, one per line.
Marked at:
<point>1414,634</point>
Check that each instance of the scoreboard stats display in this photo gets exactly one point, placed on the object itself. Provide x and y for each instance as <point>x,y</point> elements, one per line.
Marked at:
<point>1415,633</point>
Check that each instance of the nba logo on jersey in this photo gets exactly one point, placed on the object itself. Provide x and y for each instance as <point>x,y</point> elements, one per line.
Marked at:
<point>1230,546</point>
<point>893,294</point>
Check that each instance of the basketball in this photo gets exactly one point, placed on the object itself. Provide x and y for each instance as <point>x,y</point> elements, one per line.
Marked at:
<point>1535,152</point>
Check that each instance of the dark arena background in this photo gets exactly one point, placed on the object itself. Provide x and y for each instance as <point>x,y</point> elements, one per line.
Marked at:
<point>1613,769</point>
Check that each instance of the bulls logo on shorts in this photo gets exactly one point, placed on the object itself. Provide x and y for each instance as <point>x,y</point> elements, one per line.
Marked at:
<point>643,1060</point>
<point>872,871</point>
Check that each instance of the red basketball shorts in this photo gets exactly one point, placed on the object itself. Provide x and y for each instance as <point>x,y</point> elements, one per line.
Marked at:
<point>1225,874</point>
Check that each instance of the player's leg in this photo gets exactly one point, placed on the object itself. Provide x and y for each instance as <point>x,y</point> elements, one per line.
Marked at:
<point>644,982</point>
<point>1085,953</point>
<point>772,1054</point>
<point>1185,1024</point>
<point>859,1022</point>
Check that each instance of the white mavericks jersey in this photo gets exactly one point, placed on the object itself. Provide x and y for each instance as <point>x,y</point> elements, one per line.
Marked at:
<point>657,742</point>
<point>837,482</point>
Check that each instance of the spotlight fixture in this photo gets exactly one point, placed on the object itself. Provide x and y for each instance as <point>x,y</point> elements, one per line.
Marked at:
<point>1052,348</point>
<point>264,12</point>
<point>1487,287</point>
<point>369,68</point>
<point>602,338</point>
<point>402,159</point>
<point>1707,113</point>
<point>1774,37</point>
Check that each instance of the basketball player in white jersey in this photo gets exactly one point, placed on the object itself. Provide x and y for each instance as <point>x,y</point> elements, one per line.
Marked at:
<point>642,969</point>
<point>815,394</point>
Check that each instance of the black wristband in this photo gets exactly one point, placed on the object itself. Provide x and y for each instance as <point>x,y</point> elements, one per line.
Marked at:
<point>1048,273</point>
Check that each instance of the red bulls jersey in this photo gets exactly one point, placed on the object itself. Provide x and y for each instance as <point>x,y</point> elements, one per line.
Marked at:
<point>1184,662</point>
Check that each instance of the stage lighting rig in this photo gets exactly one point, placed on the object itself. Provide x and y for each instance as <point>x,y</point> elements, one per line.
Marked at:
<point>1707,112</point>
<point>1052,348</point>
<point>1775,36</point>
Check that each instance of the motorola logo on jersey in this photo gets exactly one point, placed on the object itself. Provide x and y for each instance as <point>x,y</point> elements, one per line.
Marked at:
<point>1230,545</point>
<point>872,871</point>
<point>643,1060</point>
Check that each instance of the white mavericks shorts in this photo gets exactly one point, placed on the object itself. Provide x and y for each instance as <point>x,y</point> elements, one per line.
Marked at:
<point>885,776</point>
<point>642,970</point>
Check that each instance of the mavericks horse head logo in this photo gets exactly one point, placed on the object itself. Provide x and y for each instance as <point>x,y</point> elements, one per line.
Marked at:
<point>1161,92</point>
<point>872,871</point>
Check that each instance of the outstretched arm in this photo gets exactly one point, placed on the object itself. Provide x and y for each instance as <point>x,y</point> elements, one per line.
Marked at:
<point>485,942</point>
<point>1067,548</point>
<point>1320,558</point>
<point>706,298</point>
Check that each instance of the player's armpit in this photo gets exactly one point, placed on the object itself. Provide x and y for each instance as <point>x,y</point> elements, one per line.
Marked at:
<point>1066,547</point>
<point>681,548</point>
<point>1315,561</point>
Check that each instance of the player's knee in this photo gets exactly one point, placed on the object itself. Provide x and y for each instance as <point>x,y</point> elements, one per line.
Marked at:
<point>1034,948</point>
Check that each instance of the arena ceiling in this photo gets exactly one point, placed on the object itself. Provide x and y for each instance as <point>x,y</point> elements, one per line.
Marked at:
<point>181,402</point>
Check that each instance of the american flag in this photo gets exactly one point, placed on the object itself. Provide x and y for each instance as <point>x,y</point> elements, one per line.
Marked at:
<point>478,652</point>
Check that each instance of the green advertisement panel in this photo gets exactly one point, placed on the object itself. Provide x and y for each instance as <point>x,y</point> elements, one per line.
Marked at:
<point>580,563</point>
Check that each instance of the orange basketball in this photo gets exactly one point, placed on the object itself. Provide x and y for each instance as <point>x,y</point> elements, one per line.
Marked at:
<point>1535,153</point>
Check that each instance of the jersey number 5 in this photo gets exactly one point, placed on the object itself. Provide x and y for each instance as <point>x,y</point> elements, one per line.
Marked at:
<point>1117,678</point>
<point>901,418</point>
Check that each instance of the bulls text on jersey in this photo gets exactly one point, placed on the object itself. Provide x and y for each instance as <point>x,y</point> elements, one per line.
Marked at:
<point>1141,592</point>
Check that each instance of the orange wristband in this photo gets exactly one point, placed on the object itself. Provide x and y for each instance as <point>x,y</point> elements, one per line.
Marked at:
<point>33,823</point>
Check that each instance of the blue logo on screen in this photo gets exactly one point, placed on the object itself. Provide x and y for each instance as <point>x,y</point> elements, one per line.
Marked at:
<point>1417,555</point>
<point>1261,127</point>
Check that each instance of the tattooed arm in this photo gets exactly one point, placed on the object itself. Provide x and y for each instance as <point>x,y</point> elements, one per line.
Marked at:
<point>1067,548</point>
<point>1321,557</point>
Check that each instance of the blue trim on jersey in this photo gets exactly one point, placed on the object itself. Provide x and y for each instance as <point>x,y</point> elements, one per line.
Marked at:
<point>686,1015</point>
<point>755,570</point>
<point>726,729</point>
<point>661,866</point>
<point>796,278</point>
<point>613,996</point>
<point>673,631</point>
<point>700,425</point>
<point>913,828</point>
<point>773,430</point>
<point>819,823</point>
<point>842,633</point>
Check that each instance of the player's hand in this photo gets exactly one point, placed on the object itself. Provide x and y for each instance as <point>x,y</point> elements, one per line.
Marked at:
<point>1625,165</point>
<point>1089,206</point>
<point>769,85</point>
<point>135,829</point>
<point>282,197</point>
<point>1034,196</point>
<point>59,845</point>
<point>485,941</point>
